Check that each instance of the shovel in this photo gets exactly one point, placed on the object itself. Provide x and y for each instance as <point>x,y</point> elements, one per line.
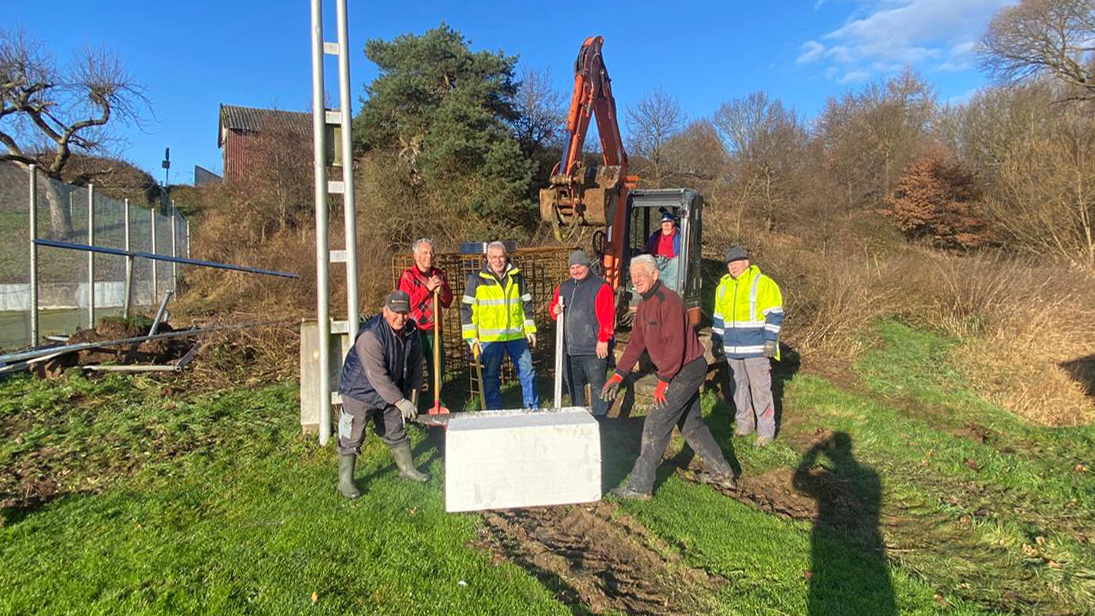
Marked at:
<point>437,409</point>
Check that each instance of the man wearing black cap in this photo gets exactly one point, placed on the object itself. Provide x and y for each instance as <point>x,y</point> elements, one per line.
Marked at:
<point>589,325</point>
<point>381,370</point>
<point>747,319</point>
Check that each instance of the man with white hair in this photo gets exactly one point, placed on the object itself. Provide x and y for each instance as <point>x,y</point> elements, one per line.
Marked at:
<point>662,329</point>
<point>496,317</point>
<point>420,281</point>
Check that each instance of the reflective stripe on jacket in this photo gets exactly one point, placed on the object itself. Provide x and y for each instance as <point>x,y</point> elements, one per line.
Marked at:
<point>496,310</point>
<point>748,313</point>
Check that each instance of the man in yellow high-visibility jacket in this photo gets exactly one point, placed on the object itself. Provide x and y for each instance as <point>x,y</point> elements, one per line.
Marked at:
<point>747,320</point>
<point>496,317</point>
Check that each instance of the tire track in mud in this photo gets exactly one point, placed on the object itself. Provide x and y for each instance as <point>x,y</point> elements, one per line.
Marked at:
<point>599,562</point>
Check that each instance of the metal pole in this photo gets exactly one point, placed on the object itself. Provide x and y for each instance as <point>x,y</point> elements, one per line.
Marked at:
<point>128,268</point>
<point>91,256</point>
<point>33,207</point>
<point>187,239</point>
<point>161,313</point>
<point>319,150</point>
<point>174,251</point>
<point>155,288</point>
<point>559,359</point>
<point>350,215</point>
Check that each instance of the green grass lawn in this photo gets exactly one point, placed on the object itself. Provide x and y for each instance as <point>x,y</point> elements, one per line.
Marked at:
<point>214,503</point>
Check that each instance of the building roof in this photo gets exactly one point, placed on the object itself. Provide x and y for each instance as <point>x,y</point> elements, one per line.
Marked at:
<point>251,119</point>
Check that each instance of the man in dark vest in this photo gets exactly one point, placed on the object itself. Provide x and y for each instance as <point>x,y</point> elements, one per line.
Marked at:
<point>381,370</point>
<point>589,325</point>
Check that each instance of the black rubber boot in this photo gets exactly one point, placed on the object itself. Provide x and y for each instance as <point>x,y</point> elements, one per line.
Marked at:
<point>402,455</point>
<point>625,492</point>
<point>346,485</point>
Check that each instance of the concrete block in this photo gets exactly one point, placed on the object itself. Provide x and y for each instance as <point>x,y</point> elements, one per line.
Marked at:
<point>309,371</point>
<point>505,459</point>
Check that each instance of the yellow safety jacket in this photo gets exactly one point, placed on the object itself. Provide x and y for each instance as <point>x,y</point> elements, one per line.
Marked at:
<point>496,309</point>
<point>748,313</point>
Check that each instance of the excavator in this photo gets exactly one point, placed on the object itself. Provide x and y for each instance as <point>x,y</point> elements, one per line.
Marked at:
<point>606,195</point>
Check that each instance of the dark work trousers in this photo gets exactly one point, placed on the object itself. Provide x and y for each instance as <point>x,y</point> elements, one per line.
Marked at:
<point>683,409</point>
<point>351,425</point>
<point>582,370</point>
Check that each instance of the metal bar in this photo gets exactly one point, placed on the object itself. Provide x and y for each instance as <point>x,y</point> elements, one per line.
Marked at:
<point>319,151</point>
<point>350,211</point>
<point>161,312</point>
<point>185,360</point>
<point>155,257</point>
<point>155,287</point>
<point>132,368</point>
<point>69,348</point>
<point>174,251</point>
<point>33,205</point>
<point>127,301</point>
<point>187,238</point>
<point>559,325</point>
<point>91,256</point>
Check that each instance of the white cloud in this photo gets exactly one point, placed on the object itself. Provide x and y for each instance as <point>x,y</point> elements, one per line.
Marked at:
<point>883,34</point>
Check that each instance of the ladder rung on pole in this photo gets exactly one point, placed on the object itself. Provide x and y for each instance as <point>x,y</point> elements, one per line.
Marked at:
<point>333,116</point>
<point>338,256</point>
<point>336,187</point>
<point>330,48</point>
<point>340,327</point>
<point>336,398</point>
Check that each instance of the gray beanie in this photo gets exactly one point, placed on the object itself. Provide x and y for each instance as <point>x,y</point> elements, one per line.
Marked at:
<point>735,253</point>
<point>578,257</point>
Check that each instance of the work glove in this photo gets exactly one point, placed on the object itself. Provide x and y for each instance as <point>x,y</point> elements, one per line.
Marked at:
<point>608,392</point>
<point>531,337</point>
<point>770,348</point>
<point>476,348</point>
<point>660,401</point>
<point>407,409</point>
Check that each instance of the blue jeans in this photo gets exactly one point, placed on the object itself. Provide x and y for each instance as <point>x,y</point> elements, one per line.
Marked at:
<point>518,350</point>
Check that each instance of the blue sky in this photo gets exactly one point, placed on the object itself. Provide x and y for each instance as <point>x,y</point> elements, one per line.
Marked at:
<point>194,55</point>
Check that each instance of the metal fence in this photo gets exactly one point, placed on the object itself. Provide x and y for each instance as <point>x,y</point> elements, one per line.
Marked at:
<point>60,290</point>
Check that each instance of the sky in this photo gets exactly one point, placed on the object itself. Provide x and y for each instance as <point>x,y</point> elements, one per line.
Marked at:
<point>192,56</point>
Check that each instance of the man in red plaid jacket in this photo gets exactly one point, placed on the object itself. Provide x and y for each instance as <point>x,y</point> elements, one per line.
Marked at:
<point>419,281</point>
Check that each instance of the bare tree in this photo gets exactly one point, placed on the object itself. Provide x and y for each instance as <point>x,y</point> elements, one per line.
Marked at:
<point>1037,37</point>
<point>541,111</point>
<point>765,142</point>
<point>652,122</point>
<point>47,111</point>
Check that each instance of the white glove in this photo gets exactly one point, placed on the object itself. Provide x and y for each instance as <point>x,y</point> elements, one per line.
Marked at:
<point>407,409</point>
<point>531,337</point>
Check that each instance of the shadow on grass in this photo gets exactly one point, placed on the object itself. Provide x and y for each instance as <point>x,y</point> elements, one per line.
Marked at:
<point>1082,370</point>
<point>838,582</point>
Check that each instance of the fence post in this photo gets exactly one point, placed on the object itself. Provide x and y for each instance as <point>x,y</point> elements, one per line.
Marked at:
<point>33,204</point>
<point>174,252</point>
<point>127,301</point>
<point>187,238</point>
<point>155,290</point>
<point>91,256</point>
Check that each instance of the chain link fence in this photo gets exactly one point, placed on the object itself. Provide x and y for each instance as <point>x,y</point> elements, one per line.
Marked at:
<point>76,287</point>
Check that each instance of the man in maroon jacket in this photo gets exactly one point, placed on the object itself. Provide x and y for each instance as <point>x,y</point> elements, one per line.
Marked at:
<point>419,282</point>
<point>663,330</point>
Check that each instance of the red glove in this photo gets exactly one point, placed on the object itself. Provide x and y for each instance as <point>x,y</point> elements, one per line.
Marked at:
<point>660,400</point>
<point>608,392</point>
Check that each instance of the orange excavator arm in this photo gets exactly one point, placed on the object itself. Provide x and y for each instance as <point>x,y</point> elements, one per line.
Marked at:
<point>581,195</point>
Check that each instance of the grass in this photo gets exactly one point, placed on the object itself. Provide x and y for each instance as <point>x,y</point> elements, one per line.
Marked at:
<point>125,496</point>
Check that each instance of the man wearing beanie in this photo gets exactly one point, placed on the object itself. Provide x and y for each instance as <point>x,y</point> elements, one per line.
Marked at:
<point>589,325</point>
<point>381,370</point>
<point>747,320</point>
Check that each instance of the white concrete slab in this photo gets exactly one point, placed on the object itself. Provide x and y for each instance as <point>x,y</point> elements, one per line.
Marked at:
<point>512,459</point>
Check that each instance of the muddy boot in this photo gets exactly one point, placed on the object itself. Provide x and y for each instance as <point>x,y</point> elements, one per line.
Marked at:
<point>720,479</point>
<point>346,485</point>
<point>625,492</point>
<point>402,455</point>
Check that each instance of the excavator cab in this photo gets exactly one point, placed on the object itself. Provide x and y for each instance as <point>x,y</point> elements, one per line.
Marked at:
<point>681,273</point>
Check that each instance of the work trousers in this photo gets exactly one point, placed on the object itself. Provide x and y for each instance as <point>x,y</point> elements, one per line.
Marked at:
<point>351,425</point>
<point>493,353</point>
<point>582,370</point>
<point>683,410</point>
<point>751,387</point>
<point>427,356</point>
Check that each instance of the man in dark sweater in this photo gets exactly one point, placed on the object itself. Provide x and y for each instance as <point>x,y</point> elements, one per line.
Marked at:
<point>663,330</point>
<point>381,370</point>
<point>589,324</point>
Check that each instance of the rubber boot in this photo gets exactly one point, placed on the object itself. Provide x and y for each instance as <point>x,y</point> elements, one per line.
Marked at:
<point>346,485</point>
<point>402,455</point>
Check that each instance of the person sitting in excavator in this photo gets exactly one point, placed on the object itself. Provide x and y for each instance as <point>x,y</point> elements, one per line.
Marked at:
<point>665,246</point>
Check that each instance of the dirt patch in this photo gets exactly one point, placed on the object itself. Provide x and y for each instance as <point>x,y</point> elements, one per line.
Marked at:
<point>148,352</point>
<point>593,559</point>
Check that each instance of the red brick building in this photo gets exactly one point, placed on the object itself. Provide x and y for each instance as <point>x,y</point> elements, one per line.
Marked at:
<point>241,129</point>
